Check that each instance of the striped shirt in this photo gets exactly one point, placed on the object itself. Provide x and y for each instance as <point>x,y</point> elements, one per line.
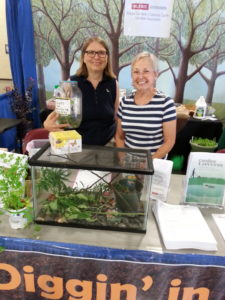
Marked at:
<point>143,124</point>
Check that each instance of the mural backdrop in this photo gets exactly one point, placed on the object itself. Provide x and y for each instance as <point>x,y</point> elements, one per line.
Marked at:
<point>192,60</point>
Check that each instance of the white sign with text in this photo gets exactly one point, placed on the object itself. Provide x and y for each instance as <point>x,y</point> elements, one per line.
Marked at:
<point>150,18</point>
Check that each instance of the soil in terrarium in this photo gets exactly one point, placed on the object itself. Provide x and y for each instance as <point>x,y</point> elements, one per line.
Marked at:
<point>103,204</point>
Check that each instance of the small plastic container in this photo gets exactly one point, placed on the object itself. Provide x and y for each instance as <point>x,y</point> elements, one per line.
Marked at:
<point>68,104</point>
<point>35,145</point>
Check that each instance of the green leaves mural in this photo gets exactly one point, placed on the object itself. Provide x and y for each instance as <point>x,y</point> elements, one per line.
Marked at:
<point>59,25</point>
<point>106,19</point>
<point>195,30</point>
<point>195,47</point>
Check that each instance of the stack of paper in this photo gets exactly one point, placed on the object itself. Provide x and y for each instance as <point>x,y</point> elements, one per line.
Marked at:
<point>183,227</point>
<point>220,222</point>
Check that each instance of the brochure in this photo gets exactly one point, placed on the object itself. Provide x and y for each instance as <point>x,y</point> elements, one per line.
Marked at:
<point>205,179</point>
<point>161,179</point>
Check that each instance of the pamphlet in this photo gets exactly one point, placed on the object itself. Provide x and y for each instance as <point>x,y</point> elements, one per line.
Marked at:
<point>205,179</point>
<point>161,179</point>
<point>183,227</point>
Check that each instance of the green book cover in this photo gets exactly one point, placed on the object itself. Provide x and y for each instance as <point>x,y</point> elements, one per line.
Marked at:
<point>205,179</point>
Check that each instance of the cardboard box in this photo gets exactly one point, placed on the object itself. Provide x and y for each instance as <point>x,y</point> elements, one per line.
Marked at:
<point>63,142</point>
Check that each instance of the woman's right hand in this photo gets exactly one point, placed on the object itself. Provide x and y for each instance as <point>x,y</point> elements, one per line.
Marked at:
<point>51,123</point>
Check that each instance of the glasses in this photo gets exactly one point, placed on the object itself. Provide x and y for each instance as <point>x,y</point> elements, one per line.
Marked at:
<point>101,54</point>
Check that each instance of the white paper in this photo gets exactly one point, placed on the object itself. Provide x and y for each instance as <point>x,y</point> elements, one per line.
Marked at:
<point>161,179</point>
<point>148,18</point>
<point>87,178</point>
<point>183,227</point>
<point>220,222</point>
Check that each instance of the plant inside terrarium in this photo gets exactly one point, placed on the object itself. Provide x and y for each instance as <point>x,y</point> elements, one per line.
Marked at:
<point>95,204</point>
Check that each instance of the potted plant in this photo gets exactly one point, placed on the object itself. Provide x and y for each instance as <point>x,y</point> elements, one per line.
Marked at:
<point>21,105</point>
<point>13,172</point>
<point>203,144</point>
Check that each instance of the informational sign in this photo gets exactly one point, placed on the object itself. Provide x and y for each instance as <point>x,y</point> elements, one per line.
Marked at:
<point>150,18</point>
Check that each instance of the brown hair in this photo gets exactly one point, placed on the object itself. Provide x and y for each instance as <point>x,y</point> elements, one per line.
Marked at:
<point>82,70</point>
<point>152,58</point>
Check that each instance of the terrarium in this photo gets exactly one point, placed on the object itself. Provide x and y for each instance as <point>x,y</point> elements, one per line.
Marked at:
<point>100,187</point>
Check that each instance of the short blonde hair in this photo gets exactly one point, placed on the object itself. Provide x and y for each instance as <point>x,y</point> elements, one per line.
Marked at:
<point>82,70</point>
<point>152,58</point>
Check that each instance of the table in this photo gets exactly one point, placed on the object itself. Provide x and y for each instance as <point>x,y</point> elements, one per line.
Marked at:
<point>7,123</point>
<point>197,128</point>
<point>146,274</point>
<point>122,240</point>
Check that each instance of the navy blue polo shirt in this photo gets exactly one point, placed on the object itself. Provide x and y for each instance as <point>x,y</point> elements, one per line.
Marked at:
<point>98,121</point>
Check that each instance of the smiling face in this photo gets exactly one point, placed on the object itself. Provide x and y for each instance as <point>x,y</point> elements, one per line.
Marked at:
<point>143,74</point>
<point>97,63</point>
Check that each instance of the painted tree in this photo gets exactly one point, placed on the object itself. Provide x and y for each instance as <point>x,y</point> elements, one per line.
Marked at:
<point>165,50</point>
<point>106,19</point>
<point>59,24</point>
<point>195,29</point>
<point>196,44</point>
<point>212,69</point>
<point>210,80</point>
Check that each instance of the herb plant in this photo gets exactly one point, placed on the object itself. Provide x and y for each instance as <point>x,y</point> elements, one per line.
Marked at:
<point>204,142</point>
<point>12,181</point>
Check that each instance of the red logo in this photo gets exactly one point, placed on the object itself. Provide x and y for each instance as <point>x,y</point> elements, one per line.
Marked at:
<point>142,6</point>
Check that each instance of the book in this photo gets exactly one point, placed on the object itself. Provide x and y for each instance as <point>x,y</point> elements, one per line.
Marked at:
<point>205,179</point>
<point>183,227</point>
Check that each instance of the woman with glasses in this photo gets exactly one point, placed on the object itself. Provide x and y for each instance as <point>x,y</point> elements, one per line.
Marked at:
<point>147,120</point>
<point>100,95</point>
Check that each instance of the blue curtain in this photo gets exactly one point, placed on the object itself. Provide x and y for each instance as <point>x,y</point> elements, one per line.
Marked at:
<point>21,50</point>
<point>7,138</point>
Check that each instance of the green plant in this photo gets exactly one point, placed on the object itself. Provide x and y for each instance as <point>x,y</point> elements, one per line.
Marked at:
<point>204,142</point>
<point>13,172</point>
<point>66,203</point>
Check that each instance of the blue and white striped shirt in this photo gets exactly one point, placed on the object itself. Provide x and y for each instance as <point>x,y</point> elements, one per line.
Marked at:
<point>143,124</point>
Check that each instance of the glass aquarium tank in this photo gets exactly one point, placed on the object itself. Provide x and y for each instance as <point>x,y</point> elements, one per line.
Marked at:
<point>100,187</point>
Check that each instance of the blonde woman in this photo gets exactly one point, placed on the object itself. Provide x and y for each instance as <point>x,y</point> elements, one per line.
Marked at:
<point>147,120</point>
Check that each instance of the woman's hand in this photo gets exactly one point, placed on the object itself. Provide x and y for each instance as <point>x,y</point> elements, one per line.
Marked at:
<point>51,125</point>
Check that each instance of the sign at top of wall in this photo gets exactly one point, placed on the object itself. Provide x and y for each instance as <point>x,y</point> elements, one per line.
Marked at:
<point>148,18</point>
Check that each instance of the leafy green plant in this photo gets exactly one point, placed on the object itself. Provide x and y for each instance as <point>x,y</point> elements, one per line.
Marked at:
<point>13,172</point>
<point>66,203</point>
<point>204,142</point>
<point>2,249</point>
<point>12,181</point>
<point>96,204</point>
